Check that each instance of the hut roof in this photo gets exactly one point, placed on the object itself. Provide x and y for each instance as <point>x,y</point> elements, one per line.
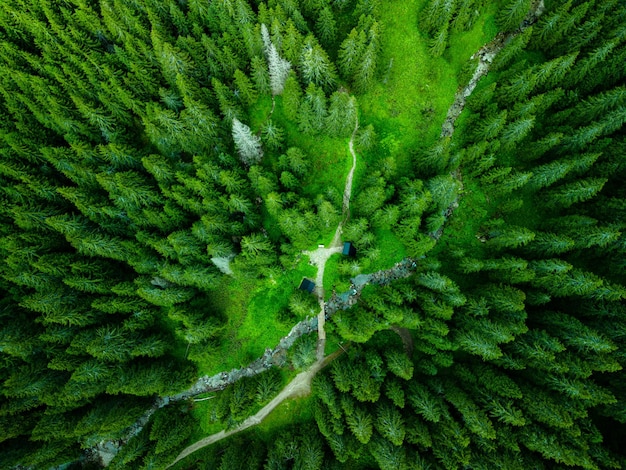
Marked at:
<point>348,249</point>
<point>307,285</point>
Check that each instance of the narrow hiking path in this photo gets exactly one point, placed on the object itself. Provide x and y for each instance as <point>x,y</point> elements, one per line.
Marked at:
<point>301,384</point>
<point>320,256</point>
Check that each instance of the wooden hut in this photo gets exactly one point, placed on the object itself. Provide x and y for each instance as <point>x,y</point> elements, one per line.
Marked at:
<point>307,285</point>
<point>348,249</point>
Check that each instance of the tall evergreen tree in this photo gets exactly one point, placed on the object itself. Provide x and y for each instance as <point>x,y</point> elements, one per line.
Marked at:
<point>248,145</point>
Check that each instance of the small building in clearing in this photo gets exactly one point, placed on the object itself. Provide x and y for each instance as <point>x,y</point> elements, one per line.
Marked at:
<point>307,285</point>
<point>348,249</point>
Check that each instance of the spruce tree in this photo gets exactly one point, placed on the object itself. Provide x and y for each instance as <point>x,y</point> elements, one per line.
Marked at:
<point>248,145</point>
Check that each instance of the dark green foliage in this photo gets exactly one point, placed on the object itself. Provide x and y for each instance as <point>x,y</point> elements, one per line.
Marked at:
<point>119,181</point>
<point>511,14</point>
<point>511,51</point>
<point>440,17</point>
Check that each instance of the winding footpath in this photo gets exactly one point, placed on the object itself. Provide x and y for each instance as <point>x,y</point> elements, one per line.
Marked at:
<point>320,256</point>
<point>299,386</point>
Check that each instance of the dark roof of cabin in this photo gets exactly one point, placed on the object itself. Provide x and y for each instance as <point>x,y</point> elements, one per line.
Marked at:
<point>348,248</point>
<point>307,285</point>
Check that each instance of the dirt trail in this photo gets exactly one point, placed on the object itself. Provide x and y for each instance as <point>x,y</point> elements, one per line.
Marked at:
<point>320,256</point>
<point>301,384</point>
<point>406,337</point>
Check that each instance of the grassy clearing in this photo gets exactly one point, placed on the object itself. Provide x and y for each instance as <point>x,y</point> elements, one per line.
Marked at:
<point>267,318</point>
<point>410,102</point>
<point>258,316</point>
<point>391,250</point>
<point>333,278</point>
<point>202,412</point>
<point>462,228</point>
<point>291,411</point>
<point>463,45</point>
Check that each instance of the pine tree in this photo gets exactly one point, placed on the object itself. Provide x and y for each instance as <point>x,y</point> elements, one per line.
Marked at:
<point>260,75</point>
<point>515,131</point>
<point>292,95</point>
<point>278,67</point>
<point>316,101</point>
<point>326,26</point>
<point>547,243</point>
<point>491,125</point>
<point>350,52</point>
<point>439,42</point>
<point>248,145</point>
<point>272,135</point>
<point>511,14</point>
<point>245,89</point>
<point>570,193</point>
<point>359,420</point>
<point>509,236</point>
<point>342,114</point>
<point>548,174</point>
<point>389,423</point>
<point>292,42</point>
<point>315,65</point>
<point>436,15</point>
<point>366,68</point>
<point>547,28</point>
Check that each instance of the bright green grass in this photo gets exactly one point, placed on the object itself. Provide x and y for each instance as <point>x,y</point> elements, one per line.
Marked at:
<point>254,309</point>
<point>332,277</point>
<point>462,228</point>
<point>463,45</point>
<point>261,328</point>
<point>410,102</point>
<point>202,412</point>
<point>259,112</point>
<point>391,250</point>
<point>291,411</point>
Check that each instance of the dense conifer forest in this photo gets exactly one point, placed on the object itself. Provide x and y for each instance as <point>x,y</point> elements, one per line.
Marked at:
<point>168,166</point>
